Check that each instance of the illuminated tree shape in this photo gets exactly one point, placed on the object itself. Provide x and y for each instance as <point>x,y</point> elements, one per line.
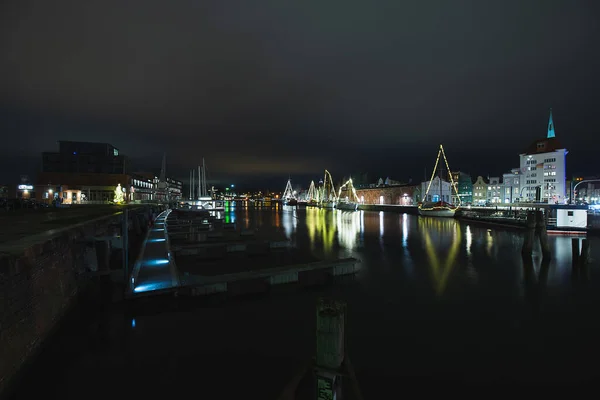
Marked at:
<point>118,194</point>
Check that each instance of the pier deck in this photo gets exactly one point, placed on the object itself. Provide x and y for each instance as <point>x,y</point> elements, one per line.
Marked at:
<point>155,269</point>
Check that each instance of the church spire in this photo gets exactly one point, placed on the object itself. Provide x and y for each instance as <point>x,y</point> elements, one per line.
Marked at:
<point>551,126</point>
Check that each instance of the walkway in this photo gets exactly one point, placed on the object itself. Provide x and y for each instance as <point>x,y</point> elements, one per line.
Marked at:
<point>155,269</point>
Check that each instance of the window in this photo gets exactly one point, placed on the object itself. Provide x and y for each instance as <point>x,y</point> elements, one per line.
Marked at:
<point>569,213</point>
<point>115,152</point>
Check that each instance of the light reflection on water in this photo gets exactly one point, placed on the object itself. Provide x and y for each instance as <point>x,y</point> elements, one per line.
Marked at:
<point>448,252</point>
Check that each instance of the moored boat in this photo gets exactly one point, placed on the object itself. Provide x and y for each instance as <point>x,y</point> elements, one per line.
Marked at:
<point>347,206</point>
<point>350,201</point>
<point>329,205</point>
<point>439,207</point>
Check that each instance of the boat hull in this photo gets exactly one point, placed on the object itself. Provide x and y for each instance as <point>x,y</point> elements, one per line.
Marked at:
<point>438,212</point>
<point>329,205</point>
<point>347,206</point>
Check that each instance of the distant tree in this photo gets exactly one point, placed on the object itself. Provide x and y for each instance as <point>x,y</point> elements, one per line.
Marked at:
<point>118,194</point>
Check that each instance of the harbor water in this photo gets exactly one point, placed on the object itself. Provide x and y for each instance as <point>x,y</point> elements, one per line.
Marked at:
<point>439,305</point>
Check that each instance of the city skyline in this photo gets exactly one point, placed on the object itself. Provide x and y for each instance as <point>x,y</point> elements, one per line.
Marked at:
<point>292,91</point>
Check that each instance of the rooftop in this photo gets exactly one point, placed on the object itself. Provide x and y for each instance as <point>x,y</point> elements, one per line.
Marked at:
<point>545,145</point>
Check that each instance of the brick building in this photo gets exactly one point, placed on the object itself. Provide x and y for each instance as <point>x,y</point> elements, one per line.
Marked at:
<point>406,195</point>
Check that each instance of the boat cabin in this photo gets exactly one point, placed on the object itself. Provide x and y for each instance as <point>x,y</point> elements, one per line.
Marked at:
<point>568,216</point>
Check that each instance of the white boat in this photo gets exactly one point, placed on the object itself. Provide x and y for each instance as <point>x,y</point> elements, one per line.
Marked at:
<point>347,206</point>
<point>439,208</point>
<point>350,201</point>
<point>328,197</point>
<point>329,205</point>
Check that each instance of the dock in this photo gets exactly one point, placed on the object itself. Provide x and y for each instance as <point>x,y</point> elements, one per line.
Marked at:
<point>199,255</point>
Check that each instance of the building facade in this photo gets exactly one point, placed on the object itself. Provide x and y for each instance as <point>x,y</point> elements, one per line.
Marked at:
<point>464,188</point>
<point>543,165</point>
<point>494,191</point>
<point>84,157</point>
<point>511,186</point>
<point>406,195</point>
<point>439,190</point>
<point>480,191</point>
<point>82,172</point>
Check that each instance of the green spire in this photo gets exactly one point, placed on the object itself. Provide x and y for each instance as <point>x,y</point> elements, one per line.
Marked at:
<point>551,126</point>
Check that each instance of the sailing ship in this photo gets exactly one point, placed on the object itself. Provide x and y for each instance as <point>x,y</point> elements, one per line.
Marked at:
<point>350,201</point>
<point>439,207</point>
<point>312,197</point>
<point>289,197</point>
<point>328,198</point>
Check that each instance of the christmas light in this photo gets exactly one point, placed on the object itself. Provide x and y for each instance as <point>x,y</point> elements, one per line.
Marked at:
<point>118,194</point>
<point>441,205</point>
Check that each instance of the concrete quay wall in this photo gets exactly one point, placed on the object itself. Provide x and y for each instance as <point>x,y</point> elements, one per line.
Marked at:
<point>42,276</point>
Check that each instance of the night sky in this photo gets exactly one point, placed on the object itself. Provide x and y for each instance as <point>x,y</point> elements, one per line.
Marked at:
<point>267,89</point>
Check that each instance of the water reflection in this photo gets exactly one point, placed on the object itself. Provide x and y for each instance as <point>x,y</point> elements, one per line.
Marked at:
<point>442,248</point>
<point>468,240</point>
<point>290,221</point>
<point>404,230</point>
<point>445,233</point>
<point>348,227</point>
<point>324,226</point>
<point>489,242</point>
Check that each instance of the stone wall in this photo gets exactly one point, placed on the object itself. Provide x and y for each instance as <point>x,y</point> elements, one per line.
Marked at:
<point>40,282</point>
<point>397,195</point>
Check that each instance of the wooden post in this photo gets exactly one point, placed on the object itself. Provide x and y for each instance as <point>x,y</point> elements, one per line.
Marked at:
<point>529,234</point>
<point>330,348</point>
<point>575,251</point>
<point>125,241</point>
<point>584,258</point>
<point>542,233</point>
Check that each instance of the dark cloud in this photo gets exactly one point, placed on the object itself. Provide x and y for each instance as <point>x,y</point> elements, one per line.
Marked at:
<point>271,88</point>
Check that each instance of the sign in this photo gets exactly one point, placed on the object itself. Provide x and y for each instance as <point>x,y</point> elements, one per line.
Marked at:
<point>25,187</point>
<point>324,388</point>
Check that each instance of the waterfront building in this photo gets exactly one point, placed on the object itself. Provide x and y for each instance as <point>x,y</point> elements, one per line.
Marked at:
<point>494,190</point>
<point>84,158</point>
<point>511,186</point>
<point>464,188</point>
<point>406,195</point>
<point>82,172</point>
<point>480,191</point>
<point>435,194</point>
<point>543,166</point>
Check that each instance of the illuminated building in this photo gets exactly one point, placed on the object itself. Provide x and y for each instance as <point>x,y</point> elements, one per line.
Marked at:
<point>464,187</point>
<point>543,166</point>
<point>82,172</point>
<point>494,190</point>
<point>435,193</point>
<point>511,186</point>
<point>398,194</point>
<point>480,191</point>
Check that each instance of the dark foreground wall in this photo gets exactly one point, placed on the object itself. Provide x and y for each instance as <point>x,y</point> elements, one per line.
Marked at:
<point>40,281</point>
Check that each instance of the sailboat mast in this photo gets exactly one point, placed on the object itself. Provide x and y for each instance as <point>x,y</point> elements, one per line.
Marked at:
<point>441,193</point>
<point>204,191</point>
